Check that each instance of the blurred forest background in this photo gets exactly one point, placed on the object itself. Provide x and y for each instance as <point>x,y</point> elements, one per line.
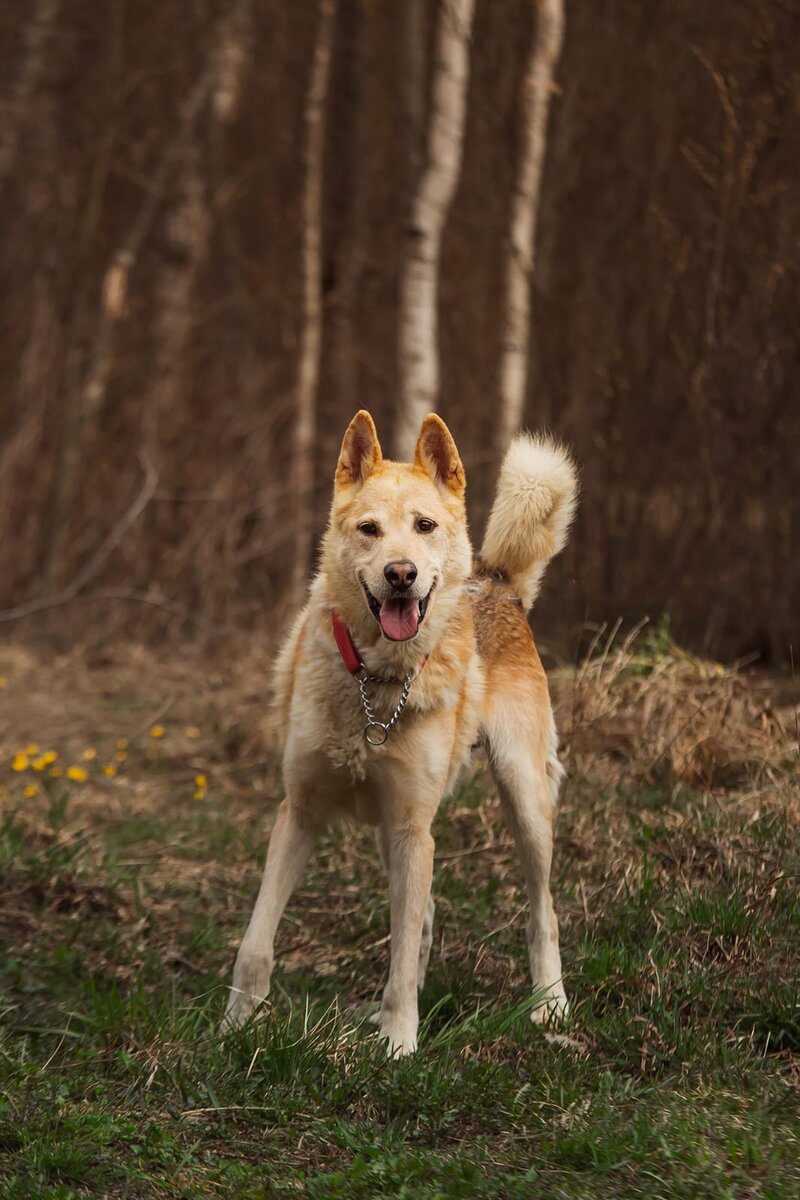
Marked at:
<point>191,312</point>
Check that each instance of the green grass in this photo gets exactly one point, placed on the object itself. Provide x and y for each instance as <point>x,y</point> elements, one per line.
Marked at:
<point>680,927</point>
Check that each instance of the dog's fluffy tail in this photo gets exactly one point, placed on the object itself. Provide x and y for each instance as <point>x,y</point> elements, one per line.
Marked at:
<point>532,512</point>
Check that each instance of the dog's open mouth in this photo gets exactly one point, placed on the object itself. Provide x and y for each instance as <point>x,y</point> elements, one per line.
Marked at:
<point>399,616</point>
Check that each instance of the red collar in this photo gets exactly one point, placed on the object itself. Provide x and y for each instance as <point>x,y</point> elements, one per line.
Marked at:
<point>347,647</point>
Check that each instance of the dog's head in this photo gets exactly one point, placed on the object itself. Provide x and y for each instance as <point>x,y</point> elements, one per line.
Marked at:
<point>397,551</point>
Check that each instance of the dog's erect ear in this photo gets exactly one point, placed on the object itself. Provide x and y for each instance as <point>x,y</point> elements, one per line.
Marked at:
<point>436,453</point>
<point>360,454</point>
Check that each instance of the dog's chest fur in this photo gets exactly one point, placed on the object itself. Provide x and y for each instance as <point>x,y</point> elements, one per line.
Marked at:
<point>320,708</point>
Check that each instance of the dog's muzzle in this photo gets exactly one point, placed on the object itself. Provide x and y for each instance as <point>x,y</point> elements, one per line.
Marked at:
<point>399,615</point>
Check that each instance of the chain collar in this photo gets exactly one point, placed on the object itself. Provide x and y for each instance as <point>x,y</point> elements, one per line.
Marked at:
<point>375,732</point>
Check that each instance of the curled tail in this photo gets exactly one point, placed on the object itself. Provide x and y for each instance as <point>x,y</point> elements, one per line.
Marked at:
<point>532,512</point>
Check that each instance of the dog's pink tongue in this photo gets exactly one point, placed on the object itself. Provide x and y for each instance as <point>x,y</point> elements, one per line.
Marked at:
<point>400,618</point>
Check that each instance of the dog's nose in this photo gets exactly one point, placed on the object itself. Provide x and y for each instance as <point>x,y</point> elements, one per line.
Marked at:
<point>400,575</point>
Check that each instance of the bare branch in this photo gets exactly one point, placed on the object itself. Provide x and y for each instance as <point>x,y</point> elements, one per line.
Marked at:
<point>99,558</point>
<point>117,593</point>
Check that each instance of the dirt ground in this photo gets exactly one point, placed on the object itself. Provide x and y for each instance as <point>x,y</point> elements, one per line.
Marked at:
<point>638,711</point>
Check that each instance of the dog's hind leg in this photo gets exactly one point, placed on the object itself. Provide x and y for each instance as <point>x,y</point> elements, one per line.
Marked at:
<point>426,940</point>
<point>290,846</point>
<point>527,775</point>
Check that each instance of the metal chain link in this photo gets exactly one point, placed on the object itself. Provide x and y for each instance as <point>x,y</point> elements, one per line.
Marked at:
<point>376,732</point>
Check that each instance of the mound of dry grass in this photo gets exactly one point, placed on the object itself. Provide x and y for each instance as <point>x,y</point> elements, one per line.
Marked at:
<point>645,709</point>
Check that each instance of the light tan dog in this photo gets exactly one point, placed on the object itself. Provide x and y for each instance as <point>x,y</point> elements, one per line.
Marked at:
<point>399,611</point>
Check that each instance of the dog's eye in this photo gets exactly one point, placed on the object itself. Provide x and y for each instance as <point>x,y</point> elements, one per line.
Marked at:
<point>424,525</point>
<point>369,529</point>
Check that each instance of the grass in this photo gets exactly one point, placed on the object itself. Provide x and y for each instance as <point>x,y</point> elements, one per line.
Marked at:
<point>122,900</point>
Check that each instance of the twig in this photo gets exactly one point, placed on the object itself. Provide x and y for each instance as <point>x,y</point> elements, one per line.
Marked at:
<point>120,529</point>
<point>448,855</point>
<point>98,560</point>
<point>64,1035</point>
<point>506,925</point>
<point>223,1108</point>
<point>117,593</point>
<point>154,717</point>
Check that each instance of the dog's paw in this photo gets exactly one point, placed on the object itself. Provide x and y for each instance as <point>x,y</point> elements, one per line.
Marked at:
<point>238,1012</point>
<point>553,1009</point>
<point>401,1039</point>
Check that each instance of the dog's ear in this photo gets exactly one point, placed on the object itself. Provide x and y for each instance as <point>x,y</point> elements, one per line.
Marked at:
<point>360,454</point>
<point>436,453</point>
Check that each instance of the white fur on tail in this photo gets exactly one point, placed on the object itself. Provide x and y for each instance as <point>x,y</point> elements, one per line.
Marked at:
<point>532,512</point>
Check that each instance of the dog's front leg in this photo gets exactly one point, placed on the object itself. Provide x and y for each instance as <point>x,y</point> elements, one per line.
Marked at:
<point>409,848</point>
<point>426,941</point>
<point>290,845</point>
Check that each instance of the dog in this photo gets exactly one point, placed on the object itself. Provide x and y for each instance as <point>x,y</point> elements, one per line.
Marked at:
<point>407,654</point>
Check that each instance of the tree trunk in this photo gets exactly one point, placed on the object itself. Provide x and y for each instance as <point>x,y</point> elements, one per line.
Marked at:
<point>186,232</point>
<point>233,57</point>
<point>352,249</point>
<point>415,76</point>
<point>38,32</point>
<point>534,103</point>
<point>82,411</point>
<point>302,495</point>
<point>419,352</point>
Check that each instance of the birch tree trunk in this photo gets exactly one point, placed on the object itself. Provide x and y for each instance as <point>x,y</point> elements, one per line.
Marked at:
<point>419,351</point>
<point>302,472</point>
<point>534,103</point>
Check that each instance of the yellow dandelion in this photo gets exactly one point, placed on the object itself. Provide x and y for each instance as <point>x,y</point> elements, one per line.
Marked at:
<point>200,785</point>
<point>121,755</point>
<point>20,762</point>
<point>55,772</point>
<point>89,754</point>
<point>49,757</point>
<point>110,770</point>
<point>157,731</point>
<point>31,750</point>
<point>3,682</point>
<point>77,774</point>
<point>122,743</point>
<point>31,790</point>
<point>192,732</point>
<point>40,763</point>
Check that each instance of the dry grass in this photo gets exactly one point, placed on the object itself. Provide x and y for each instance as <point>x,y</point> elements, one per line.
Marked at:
<point>635,715</point>
<point>638,712</point>
<point>213,713</point>
<point>645,710</point>
<point>122,898</point>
